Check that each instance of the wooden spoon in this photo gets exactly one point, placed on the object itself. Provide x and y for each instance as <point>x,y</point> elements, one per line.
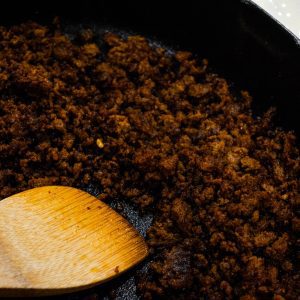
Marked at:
<point>57,239</point>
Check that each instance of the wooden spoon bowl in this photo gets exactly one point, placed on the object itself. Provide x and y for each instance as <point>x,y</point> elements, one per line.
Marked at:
<point>57,239</point>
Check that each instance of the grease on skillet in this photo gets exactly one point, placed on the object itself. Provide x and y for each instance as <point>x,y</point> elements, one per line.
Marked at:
<point>158,132</point>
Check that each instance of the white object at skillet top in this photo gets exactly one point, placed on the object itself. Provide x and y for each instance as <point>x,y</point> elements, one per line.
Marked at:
<point>287,12</point>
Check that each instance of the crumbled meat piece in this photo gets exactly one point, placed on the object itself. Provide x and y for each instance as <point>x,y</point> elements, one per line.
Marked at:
<point>264,238</point>
<point>58,124</point>
<point>91,50</point>
<point>182,214</point>
<point>169,164</point>
<point>250,163</point>
<point>176,269</point>
<point>279,247</point>
<point>86,35</point>
<point>33,80</point>
<point>199,90</point>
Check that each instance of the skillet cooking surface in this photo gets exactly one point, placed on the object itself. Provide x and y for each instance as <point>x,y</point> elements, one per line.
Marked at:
<point>124,287</point>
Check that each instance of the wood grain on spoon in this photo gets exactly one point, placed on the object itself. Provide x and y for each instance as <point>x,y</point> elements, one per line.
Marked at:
<point>58,239</point>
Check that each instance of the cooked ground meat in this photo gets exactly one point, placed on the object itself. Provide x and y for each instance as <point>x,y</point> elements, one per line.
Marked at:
<point>161,131</point>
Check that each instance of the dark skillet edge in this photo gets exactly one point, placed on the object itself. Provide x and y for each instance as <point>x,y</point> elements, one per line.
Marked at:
<point>271,48</point>
<point>33,9</point>
<point>258,7</point>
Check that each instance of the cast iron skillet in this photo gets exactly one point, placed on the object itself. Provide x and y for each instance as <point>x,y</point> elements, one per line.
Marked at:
<point>241,42</point>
